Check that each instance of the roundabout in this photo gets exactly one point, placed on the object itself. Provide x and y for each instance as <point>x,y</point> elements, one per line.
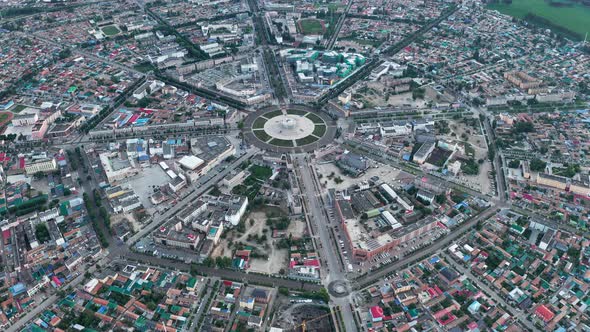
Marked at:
<point>338,288</point>
<point>295,128</point>
<point>289,127</point>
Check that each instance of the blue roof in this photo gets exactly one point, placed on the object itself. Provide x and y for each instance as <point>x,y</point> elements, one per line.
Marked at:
<point>17,289</point>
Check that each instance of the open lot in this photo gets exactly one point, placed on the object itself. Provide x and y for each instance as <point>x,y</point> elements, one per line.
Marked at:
<point>374,98</point>
<point>144,184</point>
<point>277,258</point>
<point>385,173</point>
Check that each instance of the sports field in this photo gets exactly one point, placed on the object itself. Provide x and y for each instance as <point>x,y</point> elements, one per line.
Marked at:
<point>5,117</point>
<point>574,17</point>
<point>311,26</point>
<point>110,30</point>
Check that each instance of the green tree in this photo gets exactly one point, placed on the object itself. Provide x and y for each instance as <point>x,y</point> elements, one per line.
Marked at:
<point>538,165</point>
<point>514,163</point>
<point>42,233</point>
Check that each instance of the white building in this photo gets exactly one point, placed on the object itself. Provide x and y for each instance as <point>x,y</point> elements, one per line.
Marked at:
<point>44,165</point>
<point>395,128</point>
<point>24,119</point>
<point>236,209</point>
<point>116,169</point>
<point>190,162</point>
<point>424,152</point>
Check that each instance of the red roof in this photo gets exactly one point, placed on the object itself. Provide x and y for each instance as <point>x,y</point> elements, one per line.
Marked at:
<point>376,312</point>
<point>312,262</point>
<point>544,312</point>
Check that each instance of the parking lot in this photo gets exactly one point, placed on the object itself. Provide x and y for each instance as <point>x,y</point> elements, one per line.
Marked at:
<point>146,183</point>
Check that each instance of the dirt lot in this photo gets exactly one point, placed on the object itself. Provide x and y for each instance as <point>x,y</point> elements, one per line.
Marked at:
<point>475,138</point>
<point>277,258</point>
<point>474,134</point>
<point>384,172</point>
<point>376,98</point>
<point>291,316</point>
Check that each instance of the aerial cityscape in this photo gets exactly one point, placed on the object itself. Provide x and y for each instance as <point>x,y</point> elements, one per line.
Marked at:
<point>294,165</point>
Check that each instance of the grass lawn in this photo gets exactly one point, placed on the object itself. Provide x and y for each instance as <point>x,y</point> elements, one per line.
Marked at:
<point>319,130</point>
<point>281,142</point>
<point>261,135</point>
<point>575,17</point>
<point>314,118</point>
<point>311,27</point>
<point>296,112</point>
<point>18,108</point>
<point>260,172</point>
<point>259,123</point>
<point>306,140</point>
<point>110,30</point>
<point>144,67</point>
<point>272,114</point>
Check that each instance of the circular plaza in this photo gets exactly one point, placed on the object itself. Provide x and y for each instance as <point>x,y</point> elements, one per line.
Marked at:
<point>295,128</point>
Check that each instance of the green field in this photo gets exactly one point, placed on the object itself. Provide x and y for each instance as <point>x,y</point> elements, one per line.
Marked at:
<point>306,140</point>
<point>144,67</point>
<point>272,114</point>
<point>311,26</point>
<point>18,108</point>
<point>319,130</point>
<point>296,112</point>
<point>281,142</point>
<point>110,30</point>
<point>575,18</point>
<point>314,118</point>
<point>261,135</point>
<point>259,123</point>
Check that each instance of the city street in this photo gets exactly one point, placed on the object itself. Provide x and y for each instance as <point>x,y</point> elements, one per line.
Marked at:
<point>329,252</point>
<point>200,187</point>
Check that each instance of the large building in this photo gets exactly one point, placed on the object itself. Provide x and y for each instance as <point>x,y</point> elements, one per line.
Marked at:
<point>581,187</point>
<point>43,165</point>
<point>423,152</point>
<point>553,181</point>
<point>207,152</point>
<point>176,235</point>
<point>367,244</point>
<point>115,168</point>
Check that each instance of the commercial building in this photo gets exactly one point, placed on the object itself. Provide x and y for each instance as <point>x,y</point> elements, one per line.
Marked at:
<point>176,235</point>
<point>366,245</point>
<point>423,152</point>
<point>115,168</point>
<point>236,207</point>
<point>43,165</point>
<point>553,181</point>
<point>581,187</point>
<point>234,178</point>
<point>207,152</point>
